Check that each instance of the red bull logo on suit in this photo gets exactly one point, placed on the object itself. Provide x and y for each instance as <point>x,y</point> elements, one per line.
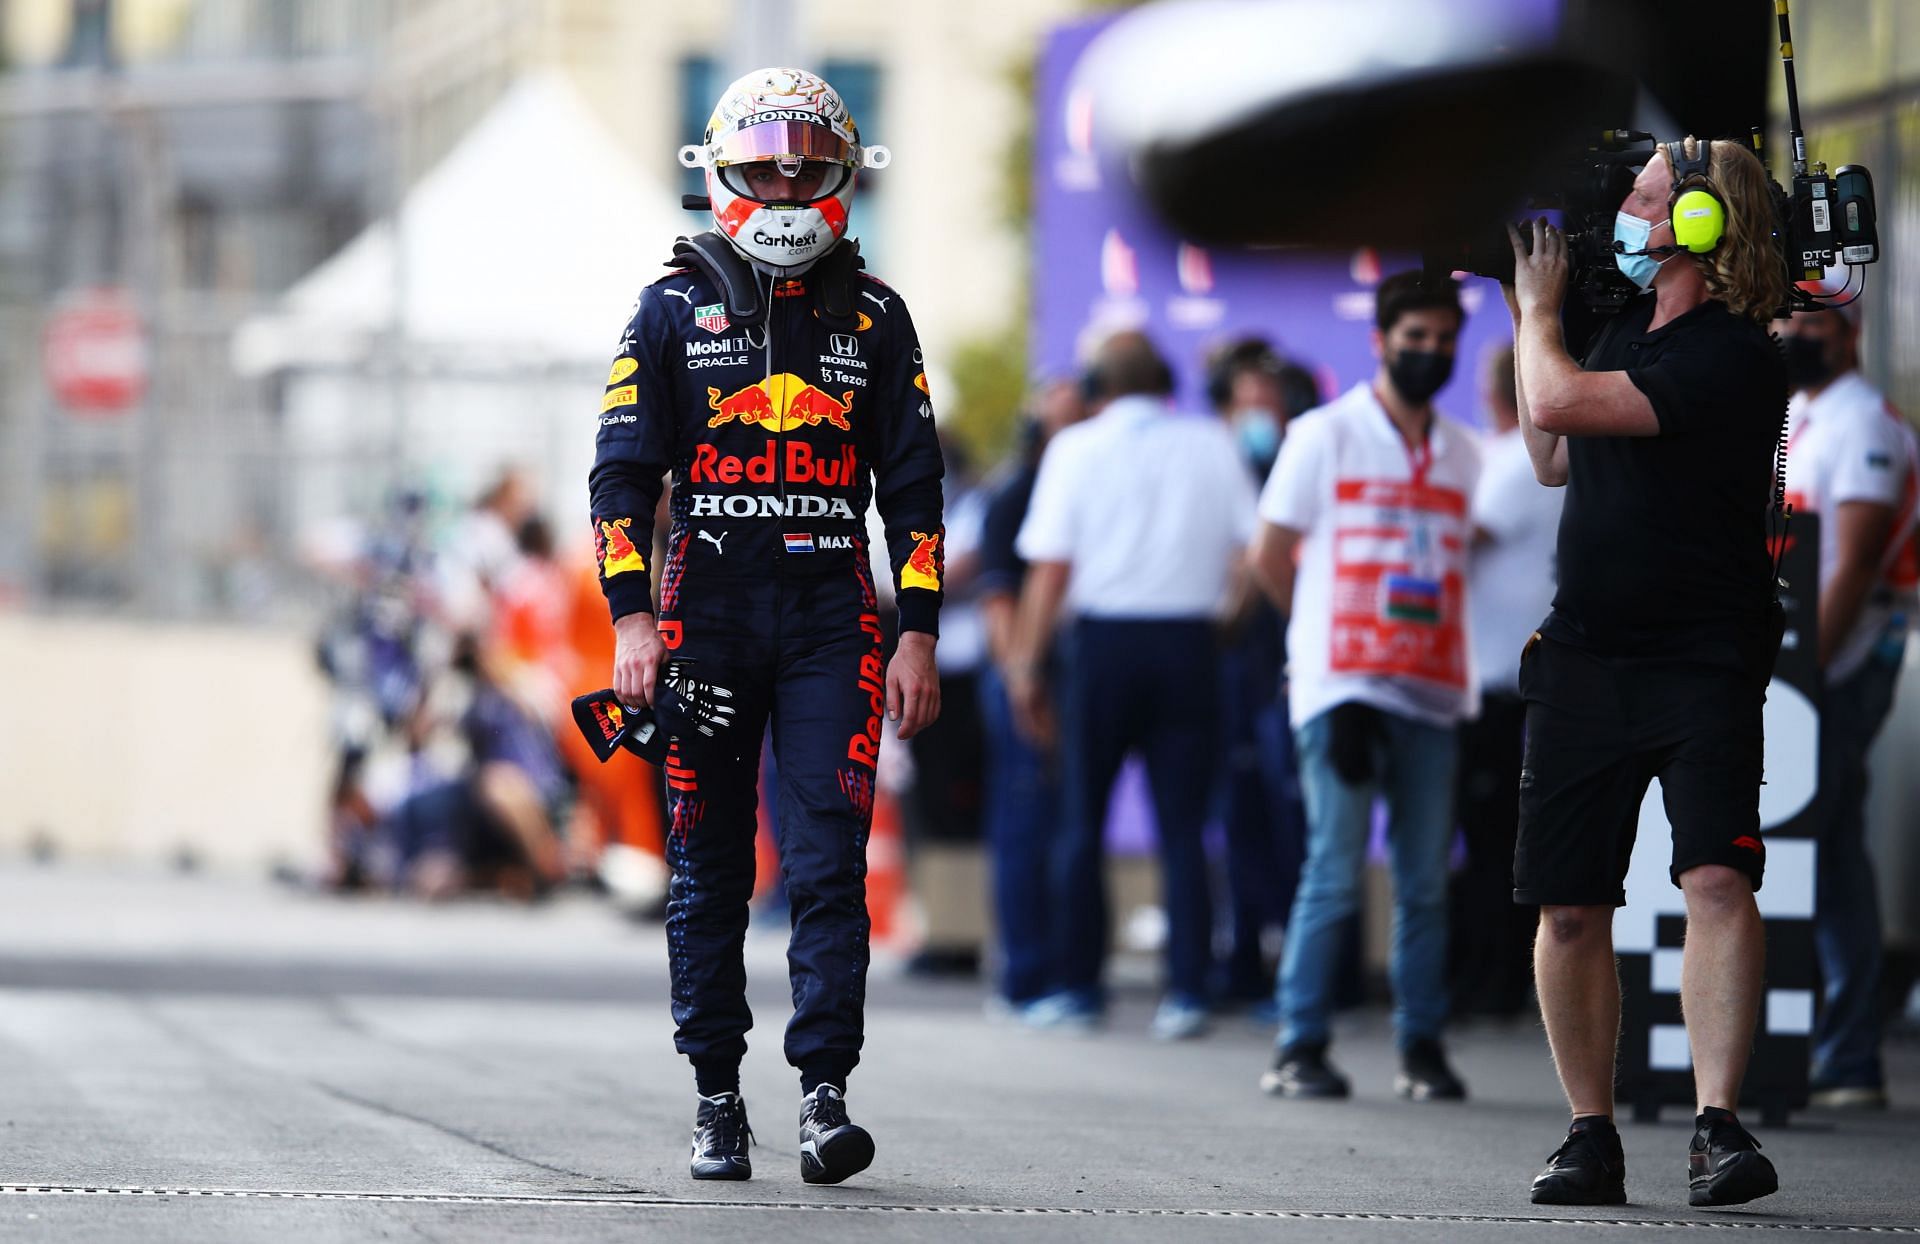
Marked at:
<point>781,403</point>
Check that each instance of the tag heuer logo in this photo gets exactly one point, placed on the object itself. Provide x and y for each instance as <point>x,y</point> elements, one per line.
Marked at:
<point>712,317</point>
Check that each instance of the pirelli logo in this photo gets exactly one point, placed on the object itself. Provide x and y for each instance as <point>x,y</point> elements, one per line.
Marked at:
<point>625,395</point>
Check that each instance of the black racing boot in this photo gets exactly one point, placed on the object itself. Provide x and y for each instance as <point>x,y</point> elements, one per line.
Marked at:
<point>831,1147</point>
<point>1724,1166</point>
<point>1587,1169</point>
<point>720,1138</point>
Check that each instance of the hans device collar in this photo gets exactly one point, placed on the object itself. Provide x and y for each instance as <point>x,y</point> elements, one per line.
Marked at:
<point>715,258</point>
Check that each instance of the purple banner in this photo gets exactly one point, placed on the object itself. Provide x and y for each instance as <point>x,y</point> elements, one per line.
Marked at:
<point>1103,261</point>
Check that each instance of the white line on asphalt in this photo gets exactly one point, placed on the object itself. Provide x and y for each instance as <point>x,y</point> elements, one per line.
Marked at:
<point>1068,1211</point>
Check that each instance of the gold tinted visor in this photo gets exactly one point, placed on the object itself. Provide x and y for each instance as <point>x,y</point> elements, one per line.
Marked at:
<point>783,140</point>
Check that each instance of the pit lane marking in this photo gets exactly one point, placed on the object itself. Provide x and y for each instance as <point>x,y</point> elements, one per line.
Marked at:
<point>605,1201</point>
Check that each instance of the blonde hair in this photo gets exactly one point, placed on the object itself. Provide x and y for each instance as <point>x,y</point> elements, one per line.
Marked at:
<point>1745,270</point>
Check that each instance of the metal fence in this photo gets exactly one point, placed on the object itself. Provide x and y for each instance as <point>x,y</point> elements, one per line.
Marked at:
<point>205,500</point>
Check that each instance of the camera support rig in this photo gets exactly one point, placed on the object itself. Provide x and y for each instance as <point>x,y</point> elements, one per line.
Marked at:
<point>1821,220</point>
<point>1829,219</point>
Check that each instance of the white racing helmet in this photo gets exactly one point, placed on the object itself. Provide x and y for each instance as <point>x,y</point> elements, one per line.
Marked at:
<point>791,123</point>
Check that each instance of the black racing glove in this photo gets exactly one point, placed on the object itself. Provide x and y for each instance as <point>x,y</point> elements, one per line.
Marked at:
<point>1353,729</point>
<point>683,705</point>
<point>695,704</point>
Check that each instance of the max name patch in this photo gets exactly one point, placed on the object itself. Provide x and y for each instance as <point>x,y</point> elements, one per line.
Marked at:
<point>806,542</point>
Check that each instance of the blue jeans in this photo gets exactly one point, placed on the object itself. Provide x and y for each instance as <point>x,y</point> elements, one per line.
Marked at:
<point>1846,922</point>
<point>1022,808</point>
<point>1151,685</point>
<point>1414,763</point>
<point>1259,803</point>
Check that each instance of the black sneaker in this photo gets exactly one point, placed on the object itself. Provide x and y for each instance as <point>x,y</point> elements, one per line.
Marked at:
<point>1587,1169</point>
<point>831,1148</point>
<point>1302,1070</point>
<point>1424,1074</point>
<point>720,1138</point>
<point>1724,1166</point>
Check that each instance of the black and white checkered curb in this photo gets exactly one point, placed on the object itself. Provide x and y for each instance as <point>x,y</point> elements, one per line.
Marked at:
<point>602,1201</point>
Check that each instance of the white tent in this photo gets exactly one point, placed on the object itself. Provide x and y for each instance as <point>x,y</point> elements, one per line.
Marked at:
<point>482,340</point>
<point>523,246</point>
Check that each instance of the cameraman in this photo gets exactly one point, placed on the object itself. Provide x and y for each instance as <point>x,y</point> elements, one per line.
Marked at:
<point>1655,658</point>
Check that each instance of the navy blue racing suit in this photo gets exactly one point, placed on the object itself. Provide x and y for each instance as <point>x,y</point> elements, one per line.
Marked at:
<point>778,437</point>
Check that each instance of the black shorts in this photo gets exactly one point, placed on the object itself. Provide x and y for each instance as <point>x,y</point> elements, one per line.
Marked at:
<point>1598,730</point>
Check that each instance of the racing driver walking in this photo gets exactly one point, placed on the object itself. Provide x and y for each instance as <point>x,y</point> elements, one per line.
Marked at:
<point>784,388</point>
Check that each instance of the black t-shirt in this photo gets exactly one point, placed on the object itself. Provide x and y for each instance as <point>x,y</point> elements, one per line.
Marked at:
<point>1002,569</point>
<point>1663,539</point>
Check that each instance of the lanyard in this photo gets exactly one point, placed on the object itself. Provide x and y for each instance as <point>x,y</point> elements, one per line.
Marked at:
<point>1419,457</point>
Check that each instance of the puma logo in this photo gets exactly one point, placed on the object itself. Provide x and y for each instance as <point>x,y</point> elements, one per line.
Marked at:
<point>714,540</point>
<point>685,295</point>
<point>875,299</point>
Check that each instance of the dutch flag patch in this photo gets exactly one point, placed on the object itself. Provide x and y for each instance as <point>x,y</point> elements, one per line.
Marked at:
<point>798,541</point>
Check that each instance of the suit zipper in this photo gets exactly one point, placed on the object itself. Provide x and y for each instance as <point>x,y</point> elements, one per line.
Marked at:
<point>779,469</point>
<point>779,428</point>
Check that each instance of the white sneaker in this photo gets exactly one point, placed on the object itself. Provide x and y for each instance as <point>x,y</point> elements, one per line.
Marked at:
<point>1179,1021</point>
<point>1060,1013</point>
<point>1848,1097</point>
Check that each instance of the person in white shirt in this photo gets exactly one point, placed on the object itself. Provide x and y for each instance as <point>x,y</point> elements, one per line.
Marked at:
<point>1371,492</point>
<point>1509,589</point>
<point>1138,525</point>
<point>1850,460</point>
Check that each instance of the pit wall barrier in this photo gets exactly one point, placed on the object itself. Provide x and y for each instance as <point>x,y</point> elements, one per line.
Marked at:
<point>137,741</point>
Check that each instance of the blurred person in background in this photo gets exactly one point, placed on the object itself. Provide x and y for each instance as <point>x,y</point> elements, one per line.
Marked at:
<point>785,390</point>
<point>1023,789</point>
<point>1850,460</point>
<point>482,549</point>
<point>484,791</point>
<point>1138,524</point>
<point>527,630</point>
<point>1509,589</point>
<point>619,820</point>
<point>1257,392</point>
<point>1370,494</point>
<point>375,651</point>
<point>943,808</point>
<point>550,642</point>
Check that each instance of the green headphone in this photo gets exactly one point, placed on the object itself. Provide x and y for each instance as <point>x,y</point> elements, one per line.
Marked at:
<point>1698,215</point>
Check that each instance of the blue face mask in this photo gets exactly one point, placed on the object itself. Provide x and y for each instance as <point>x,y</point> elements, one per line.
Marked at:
<point>1259,434</point>
<point>1633,234</point>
